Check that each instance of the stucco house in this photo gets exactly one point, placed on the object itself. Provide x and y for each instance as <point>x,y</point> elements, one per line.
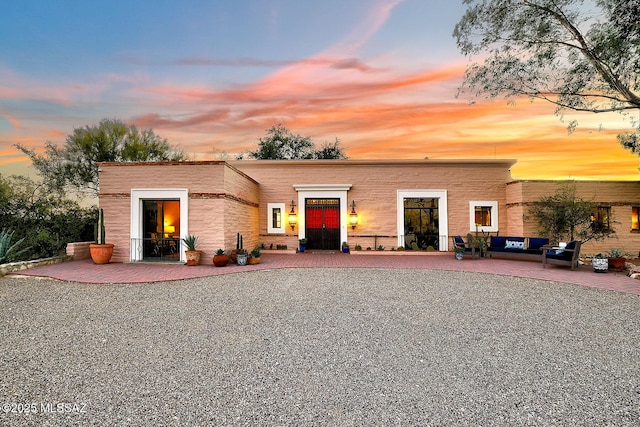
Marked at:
<point>415,204</point>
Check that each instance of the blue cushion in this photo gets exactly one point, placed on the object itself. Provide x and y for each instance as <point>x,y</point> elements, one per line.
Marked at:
<point>497,242</point>
<point>537,242</point>
<point>458,240</point>
<point>563,254</point>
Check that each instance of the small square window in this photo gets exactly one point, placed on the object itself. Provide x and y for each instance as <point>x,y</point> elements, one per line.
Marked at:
<point>483,216</point>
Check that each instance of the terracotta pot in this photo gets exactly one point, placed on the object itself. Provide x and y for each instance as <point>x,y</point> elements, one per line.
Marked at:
<point>220,260</point>
<point>101,254</point>
<point>193,257</point>
<point>253,261</point>
<point>617,264</point>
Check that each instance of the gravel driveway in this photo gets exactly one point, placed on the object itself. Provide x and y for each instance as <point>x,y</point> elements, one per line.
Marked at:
<point>319,347</point>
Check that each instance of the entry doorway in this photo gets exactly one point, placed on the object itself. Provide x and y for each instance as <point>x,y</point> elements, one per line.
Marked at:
<point>322,219</point>
<point>161,230</point>
<point>421,223</point>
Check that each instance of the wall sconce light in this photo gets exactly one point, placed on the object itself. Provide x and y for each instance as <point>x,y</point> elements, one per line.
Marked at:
<point>293,220</point>
<point>353,216</point>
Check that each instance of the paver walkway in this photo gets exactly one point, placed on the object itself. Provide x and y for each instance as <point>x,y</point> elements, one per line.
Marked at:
<point>84,271</point>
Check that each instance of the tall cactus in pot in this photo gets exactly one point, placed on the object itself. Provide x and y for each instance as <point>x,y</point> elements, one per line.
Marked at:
<point>101,251</point>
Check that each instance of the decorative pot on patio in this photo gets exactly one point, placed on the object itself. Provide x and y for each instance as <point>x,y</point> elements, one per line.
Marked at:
<point>617,264</point>
<point>220,259</point>
<point>600,265</point>
<point>193,257</point>
<point>101,254</point>
<point>241,258</point>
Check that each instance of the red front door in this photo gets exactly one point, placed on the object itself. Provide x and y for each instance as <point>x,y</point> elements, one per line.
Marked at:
<point>322,219</point>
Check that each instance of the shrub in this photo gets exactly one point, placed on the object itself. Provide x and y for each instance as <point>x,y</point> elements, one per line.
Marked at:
<point>9,252</point>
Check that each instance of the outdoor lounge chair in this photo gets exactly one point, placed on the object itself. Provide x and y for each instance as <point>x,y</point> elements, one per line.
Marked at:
<point>562,256</point>
<point>458,242</point>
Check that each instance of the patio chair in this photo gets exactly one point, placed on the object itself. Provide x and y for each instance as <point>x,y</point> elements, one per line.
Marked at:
<point>458,242</point>
<point>562,256</point>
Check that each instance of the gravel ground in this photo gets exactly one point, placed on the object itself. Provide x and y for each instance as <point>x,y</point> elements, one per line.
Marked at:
<point>319,347</point>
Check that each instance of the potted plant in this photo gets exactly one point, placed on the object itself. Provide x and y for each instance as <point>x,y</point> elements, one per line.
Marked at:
<point>255,255</point>
<point>192,253</point>
<point>101,251</point>
<point>220,259</point>
<point>459,252</point>
<point>241,256</point>
<point>303,244</point>
<point>345,248</point>
<point>600,263</point>
<point>617,260</point>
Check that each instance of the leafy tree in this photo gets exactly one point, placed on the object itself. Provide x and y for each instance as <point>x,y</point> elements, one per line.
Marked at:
<point>76,164</point>
<point>330,151</point>
<point>281,144</point>
<point>46,220</point>
<point>565,216</point>
<point>574,54</point>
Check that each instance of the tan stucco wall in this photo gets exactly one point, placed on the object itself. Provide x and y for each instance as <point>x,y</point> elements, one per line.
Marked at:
<point>620,196</point>
<point>222,201</point>
<point>374,188</point>
<point>227,198</point>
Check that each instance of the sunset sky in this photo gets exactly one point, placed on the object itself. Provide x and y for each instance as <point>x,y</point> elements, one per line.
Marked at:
<point>213,76</point>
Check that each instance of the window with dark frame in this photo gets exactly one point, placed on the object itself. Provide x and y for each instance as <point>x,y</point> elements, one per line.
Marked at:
<point>600,217</point>
<point>635,218</point>
<point>276,218</point>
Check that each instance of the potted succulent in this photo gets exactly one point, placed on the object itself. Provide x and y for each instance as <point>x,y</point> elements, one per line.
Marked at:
<point>100,251</point>
<point>220,259</point>
<point>192,253</point>
<point>600,263</point>
<point>617,260</point>
<point>303,244</point>
<point>255,255</point>
<point>345,248</point>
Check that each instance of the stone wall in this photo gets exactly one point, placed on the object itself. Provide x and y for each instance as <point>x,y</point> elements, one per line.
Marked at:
<point>25,265</point>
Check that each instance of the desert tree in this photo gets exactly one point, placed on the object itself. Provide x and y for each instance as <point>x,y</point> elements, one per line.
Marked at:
<point>579,55</point>
<point>565,215</point>
<point>75,165</point>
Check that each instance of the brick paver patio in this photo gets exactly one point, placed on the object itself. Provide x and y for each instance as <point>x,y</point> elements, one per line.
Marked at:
<point>84,271</point>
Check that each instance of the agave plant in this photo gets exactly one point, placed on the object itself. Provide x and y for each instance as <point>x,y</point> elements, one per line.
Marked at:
<point>9,252</point>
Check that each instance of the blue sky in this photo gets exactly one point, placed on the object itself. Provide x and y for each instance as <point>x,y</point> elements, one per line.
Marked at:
<point>213,76</point>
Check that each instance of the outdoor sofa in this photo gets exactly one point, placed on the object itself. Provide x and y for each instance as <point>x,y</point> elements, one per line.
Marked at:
<point>516,247</point>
